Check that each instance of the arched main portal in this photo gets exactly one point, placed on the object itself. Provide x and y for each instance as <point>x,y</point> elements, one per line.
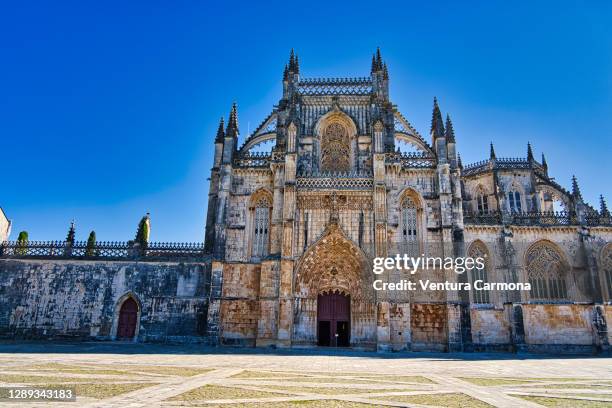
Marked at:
<point>128,317</point>
<point>329,294</point>
<point>333,320</point>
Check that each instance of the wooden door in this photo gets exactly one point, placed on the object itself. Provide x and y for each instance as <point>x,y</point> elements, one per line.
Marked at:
<point>128,316</point>
<point>333,320</point>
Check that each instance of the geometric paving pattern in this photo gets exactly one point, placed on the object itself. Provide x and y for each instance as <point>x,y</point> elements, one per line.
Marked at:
<point>343,379</point>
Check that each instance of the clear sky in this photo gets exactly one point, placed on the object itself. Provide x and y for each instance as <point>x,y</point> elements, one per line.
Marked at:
<point>109,109</point>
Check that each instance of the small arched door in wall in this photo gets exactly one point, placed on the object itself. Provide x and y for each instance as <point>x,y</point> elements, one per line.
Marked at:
<point>128,317</point>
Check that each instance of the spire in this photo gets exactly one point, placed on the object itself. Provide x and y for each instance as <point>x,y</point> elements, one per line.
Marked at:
<point>492,154</point>
<point>450,132</point>
<point>603,208</point>
<point>385,71</point>
<point>529,152</point>
<point>220,131</point>
<point>232,124</point>
<point>437,126</point>
<point>373,69</point>
<point>286,73</point>
<point>379,63</point>
<point>576,189</point>
<point>291,60</point>
<point>294,63</point>
<point>544,164</point>
<point>459,163</point>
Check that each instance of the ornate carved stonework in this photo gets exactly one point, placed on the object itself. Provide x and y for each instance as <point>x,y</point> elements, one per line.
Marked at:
<point>335,149</point>
<point>343,202</point>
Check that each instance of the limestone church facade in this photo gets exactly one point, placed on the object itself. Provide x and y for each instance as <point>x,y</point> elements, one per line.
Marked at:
<point>336,176</point>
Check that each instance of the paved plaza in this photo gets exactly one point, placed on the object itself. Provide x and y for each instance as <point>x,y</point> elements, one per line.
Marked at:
<point>139,375</point>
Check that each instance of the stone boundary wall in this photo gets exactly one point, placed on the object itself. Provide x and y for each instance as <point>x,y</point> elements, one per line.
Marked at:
<point>69,299</point>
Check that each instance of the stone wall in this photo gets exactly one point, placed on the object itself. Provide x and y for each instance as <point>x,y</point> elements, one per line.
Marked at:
<point>81,299</point>
<point>490,327</point>
<point>558,325</point>
<point>5,226</point>
<point>428,327</point>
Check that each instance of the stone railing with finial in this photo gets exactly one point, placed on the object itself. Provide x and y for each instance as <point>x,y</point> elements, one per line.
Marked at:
<point>411,160</point>
<point>253,159</point>
<point>335,86</point>
<point>535,218</point>
<point>104,250</point>
<point>501,163</point>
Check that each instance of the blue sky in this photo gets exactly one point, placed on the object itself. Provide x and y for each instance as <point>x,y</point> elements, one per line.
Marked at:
<point>109,109</point>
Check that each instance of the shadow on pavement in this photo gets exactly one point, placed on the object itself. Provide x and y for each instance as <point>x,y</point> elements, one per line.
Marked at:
<point>38,347</point>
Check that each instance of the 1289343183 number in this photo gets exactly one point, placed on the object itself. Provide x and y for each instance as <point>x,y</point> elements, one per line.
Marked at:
<point>14,394</point>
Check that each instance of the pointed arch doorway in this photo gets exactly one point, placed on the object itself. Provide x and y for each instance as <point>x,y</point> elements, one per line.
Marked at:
<point>128,317</point>
<point>333,320</point>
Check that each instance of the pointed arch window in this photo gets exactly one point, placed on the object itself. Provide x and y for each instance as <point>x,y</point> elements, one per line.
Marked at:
<point>478,250</point>
<point>410,239</point>
<point>514,201</point>
<point>261,227</point>
<point>482,201</point>
<point>546,273</point>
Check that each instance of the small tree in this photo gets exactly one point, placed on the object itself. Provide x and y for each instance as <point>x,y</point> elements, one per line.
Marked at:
<point>70,238</point>
<point>71,235</point>
<point>22,243</point>
<point>142,234</point>
<point>91,243</point>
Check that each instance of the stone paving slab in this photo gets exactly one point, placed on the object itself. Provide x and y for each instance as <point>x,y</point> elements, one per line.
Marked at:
<point>445,370</point>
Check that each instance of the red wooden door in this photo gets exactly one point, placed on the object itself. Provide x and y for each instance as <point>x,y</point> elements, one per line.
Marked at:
<point>128,315</point>
<point>333,319</point>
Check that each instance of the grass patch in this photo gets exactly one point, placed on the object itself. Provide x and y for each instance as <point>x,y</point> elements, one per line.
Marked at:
<point>486,381</point>
<point>605,396</point>
<point>165,370</point>
<point>453,400</point>
<point>213,392</point>
<point>403,378</point>
<point>265,374</point>
<point>334,390</point>
<point>38,379</point>
<point>66,368</point>
<point>572,386</point>
<point>122,370</point>
<point>332,380</point>
<point>101,391</point>
<point>565,402</point>
<point>306,404</point>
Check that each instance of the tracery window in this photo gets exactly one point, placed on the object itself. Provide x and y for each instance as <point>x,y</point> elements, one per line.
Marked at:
<point>261,227</point>
<point>335,149</point>
<point>514,201</point>
<point>479,250</point>
<point>546,273</point>
<point>409,227</point>
<point>482,201</point>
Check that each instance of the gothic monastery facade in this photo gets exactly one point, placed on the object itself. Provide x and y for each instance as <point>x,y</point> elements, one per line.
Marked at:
<point>334,177</point>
